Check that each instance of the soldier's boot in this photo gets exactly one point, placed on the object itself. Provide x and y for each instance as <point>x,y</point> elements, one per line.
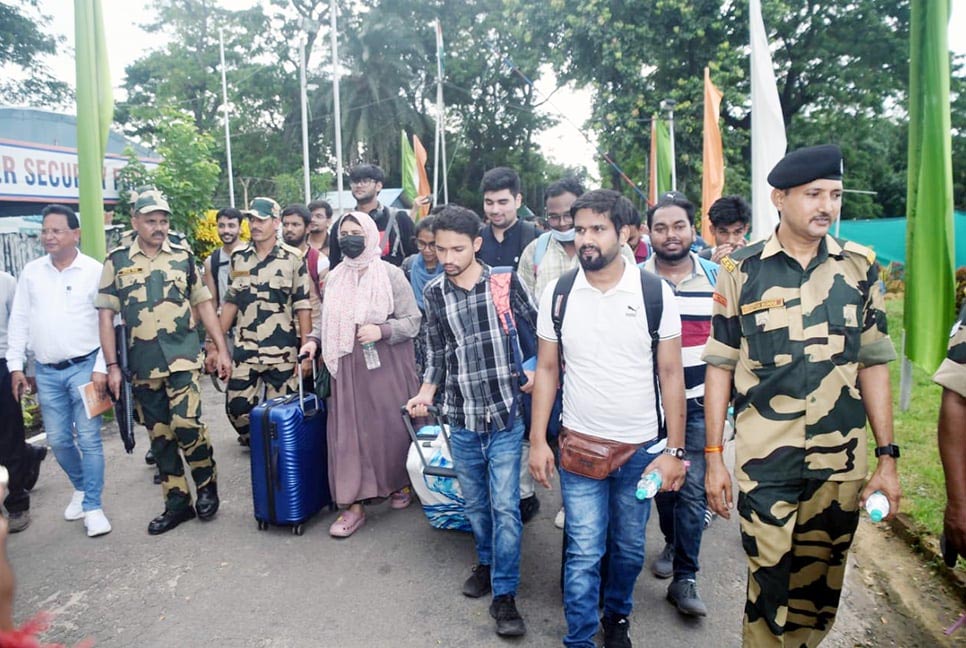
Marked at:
<point>169,520</point>
<point>207,501</point>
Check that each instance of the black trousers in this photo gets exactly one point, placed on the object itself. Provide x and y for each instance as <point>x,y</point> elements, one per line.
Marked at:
<point>14,453</point>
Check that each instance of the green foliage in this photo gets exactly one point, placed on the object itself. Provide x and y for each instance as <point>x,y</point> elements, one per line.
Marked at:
<point>24,43</point>
<point>187,174</point>
<point>290,187</point>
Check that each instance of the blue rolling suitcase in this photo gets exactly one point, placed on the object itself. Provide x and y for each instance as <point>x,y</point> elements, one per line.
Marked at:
<point>290,480</point>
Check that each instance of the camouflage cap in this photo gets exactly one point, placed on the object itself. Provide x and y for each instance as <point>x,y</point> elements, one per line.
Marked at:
<point>151,200</point>
<point>263,208</point>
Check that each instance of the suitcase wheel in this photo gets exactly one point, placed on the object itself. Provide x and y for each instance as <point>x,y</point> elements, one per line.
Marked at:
<point>262,526</point>
<point>297,530</point>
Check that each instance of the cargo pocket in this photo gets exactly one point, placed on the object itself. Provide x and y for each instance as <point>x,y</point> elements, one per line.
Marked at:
<point>766,333</point>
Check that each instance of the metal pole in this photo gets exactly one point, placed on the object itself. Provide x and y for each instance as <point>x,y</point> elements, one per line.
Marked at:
<point>224,101</point>
<point>305,122</point>
<point>440,107</point>
<point>337,109</point>
<point>674,162</point>
<point>439,114</point>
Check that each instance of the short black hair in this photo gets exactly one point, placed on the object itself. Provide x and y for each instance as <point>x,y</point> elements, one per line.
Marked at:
<point>461,220</point>
<point>298,209</point>
<point>366,172</point>
<point>63,210</point>
<point>500,178</point>
<point>230,212</point>
<point>321,204</point>
<point>424,223</point>
<point>729,210</point>
<point>569,185</point>
<point>672,201</point>
<point>619,209</point>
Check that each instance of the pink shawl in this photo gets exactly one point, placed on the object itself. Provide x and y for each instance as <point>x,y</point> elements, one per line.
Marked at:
<point>357,292</point>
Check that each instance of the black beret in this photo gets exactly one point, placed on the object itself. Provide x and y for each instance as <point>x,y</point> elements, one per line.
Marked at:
<point>807,164</point>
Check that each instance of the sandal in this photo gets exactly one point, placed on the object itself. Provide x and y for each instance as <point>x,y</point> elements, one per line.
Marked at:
<point>401,498</point>
<point>346,524</point>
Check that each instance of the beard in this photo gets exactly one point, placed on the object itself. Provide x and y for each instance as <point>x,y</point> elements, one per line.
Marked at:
<point>598,261</point>
<point>228,239</point>
<point>673,256</point>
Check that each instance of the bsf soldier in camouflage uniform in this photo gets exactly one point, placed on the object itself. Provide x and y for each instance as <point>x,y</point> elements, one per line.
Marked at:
<point>154,283</point>
<point>268,289</point>
<point>798,328</point>
<point>952,437</point>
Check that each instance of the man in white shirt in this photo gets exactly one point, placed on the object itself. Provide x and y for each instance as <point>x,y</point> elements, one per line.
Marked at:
<point>608,399</point>
<point>53,313</point>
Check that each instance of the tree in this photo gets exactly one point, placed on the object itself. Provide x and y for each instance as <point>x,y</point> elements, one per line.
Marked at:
<point>24,43</point>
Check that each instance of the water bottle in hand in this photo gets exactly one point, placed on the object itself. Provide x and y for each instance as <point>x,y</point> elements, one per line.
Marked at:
<point>371,355</point>
<point>878,506</point>
<point>649,485</point>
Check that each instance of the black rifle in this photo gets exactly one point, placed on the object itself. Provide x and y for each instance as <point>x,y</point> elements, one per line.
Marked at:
<point>124,405</point>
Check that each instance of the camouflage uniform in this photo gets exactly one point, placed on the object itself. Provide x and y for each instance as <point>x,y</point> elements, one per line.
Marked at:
<point>267,292</point>
<point>952,372</point>
<point>795,340</point>
<point>155,296</point>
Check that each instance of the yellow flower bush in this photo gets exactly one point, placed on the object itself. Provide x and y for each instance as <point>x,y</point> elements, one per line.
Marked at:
<point>206,234</point>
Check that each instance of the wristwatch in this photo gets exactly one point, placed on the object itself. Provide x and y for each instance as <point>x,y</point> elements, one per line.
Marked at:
<point>891,450</point>
<point>675,452</point>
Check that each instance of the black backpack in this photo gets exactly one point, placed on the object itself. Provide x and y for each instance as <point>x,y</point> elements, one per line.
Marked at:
<point>653,308</point>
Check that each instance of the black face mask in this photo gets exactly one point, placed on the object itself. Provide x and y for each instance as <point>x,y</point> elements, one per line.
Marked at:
<point>352,245</point>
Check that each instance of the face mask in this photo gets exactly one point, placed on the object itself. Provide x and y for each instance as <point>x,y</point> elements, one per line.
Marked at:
<point>564,237</point>
<point>352,245</point>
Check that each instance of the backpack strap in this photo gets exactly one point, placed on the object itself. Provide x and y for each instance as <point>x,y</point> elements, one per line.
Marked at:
<point>561,292</point>
<point>543,242</point>
<point>653,294</point>
<point>312,259</point>
<point>215,268</point>
<point>501,278</point>
<point>391,225</point>
<point>710,269</point>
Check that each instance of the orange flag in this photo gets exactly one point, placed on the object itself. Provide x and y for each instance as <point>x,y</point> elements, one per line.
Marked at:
<point>712,180</point>
<point>421,158</point>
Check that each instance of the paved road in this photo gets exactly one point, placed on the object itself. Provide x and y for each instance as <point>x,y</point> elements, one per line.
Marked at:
<point>395,583</point>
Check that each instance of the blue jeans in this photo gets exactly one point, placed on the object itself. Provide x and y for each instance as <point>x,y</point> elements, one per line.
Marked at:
<point>594,508</point>
<point>488,467</point>
<point>682,513</point>
<point>63,412</point>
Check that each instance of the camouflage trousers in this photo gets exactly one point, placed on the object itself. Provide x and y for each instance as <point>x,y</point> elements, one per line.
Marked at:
<point>170,408</point>
<point>797,537</point>
<point>250,384</point>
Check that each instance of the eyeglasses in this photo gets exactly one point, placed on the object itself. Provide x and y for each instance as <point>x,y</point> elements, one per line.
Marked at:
<point>423,245</point>
<point>53,232</point>
<point>554,219</point>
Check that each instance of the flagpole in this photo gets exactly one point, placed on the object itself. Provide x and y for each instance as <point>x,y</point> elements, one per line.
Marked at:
<point>224,101</point>
<point>337,111</point>
<point>668,105</point>
<point>440,118</point>
<point>305,123</point>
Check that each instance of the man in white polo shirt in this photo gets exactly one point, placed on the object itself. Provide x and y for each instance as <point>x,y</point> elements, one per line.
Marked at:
<point>609,409</point>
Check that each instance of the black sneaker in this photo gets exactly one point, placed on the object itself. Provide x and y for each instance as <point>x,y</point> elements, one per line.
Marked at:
<point>509,623</point>
<point>478,584</point>
<point>683,594</point>
<point>616,632</point>
<point>529,507</point>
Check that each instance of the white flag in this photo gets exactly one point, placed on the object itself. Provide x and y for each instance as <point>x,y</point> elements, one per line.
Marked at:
<point>767,128</point>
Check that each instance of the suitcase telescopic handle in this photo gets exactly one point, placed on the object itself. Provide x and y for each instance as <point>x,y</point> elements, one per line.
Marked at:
<point>298,371</point>
<point>433,471</point>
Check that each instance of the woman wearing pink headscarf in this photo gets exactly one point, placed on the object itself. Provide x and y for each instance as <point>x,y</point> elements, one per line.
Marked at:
<point>366,301</point>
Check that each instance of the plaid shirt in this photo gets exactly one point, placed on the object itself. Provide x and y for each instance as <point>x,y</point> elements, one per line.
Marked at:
<point>467,352</point>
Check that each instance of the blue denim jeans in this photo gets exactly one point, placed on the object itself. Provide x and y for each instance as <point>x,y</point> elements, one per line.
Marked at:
<point>682,513</point>
<point>594,507</point>
<point>488,467</point>
<point>63,413</point>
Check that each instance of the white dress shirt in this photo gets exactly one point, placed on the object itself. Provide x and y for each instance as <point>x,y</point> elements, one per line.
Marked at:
<point>53,313</point>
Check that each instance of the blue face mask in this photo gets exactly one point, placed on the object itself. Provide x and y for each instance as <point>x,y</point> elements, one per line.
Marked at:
<point>564,237</point>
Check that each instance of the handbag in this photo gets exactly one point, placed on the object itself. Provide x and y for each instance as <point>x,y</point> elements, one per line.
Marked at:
<point>323,385</point>
<point>593,457</point>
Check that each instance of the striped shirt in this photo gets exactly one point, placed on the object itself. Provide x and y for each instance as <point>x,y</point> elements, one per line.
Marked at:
<point>694,299</point>
<point>467,352</point>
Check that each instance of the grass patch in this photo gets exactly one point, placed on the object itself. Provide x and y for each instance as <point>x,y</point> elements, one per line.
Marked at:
<point>920,471</point>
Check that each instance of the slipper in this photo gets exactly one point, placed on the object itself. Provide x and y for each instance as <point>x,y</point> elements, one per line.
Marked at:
<point>346,524</point>
<point>401,498</point>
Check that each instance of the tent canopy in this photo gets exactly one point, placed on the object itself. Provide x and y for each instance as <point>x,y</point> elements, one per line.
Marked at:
<point>887,236</point>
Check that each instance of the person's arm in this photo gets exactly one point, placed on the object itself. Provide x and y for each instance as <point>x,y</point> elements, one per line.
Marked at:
<point>877,400</point>
<point>525,269</point>
<point>206,312</point>
<point>952,451</point>
<point>404,321</point>
<point>435,350</point>
<point>105,329</point>
<point>544,392</point>
<point>717,394</point>
<point>18,326</point>
<point>670,373</point>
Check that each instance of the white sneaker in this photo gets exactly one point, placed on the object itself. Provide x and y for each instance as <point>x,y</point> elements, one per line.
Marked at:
<point>560,519</point>
<point>96,523</point>
<point>75,509</point>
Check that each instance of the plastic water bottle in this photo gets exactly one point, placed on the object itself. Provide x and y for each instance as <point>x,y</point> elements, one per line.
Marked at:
<point>877,506</point>
<point>649,485</point>
<point>371,355</point>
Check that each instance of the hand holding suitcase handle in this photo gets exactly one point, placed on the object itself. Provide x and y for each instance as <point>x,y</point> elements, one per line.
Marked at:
<point>437,471</point>
<point>298,379</point>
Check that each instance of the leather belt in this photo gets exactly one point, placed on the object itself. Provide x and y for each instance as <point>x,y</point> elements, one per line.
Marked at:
<point>60,366</point>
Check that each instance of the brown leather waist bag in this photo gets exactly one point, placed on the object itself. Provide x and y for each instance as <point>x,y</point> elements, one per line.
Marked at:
<point>593,457</point>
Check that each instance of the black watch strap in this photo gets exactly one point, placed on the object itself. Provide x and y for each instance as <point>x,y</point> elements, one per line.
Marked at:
<point>891,450</point>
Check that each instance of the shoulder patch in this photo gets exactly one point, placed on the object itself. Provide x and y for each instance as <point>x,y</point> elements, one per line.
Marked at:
<point>728,264</point>
<point>856,248</point>
<point>291,250</point>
